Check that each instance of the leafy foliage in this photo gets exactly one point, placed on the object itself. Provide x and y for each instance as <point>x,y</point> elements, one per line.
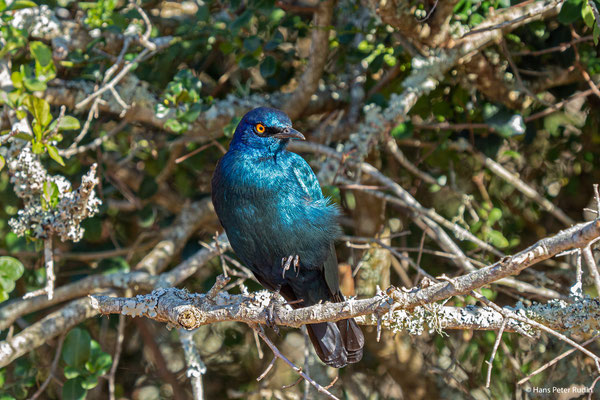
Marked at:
<point>85,363</point>
<point>11,270</point>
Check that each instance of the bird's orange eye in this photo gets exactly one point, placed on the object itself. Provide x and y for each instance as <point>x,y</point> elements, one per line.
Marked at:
<point>260,128</point>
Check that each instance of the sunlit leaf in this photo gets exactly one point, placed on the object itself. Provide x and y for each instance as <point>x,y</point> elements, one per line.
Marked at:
<point>53,153</point>
<point>68,123</point>
<point>41,53</point>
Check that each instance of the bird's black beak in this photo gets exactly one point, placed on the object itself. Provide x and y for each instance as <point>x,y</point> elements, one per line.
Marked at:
<point>289,133</point>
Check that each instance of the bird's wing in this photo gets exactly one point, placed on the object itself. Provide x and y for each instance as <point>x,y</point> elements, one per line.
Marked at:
<point>311,187</point>
<point>306,178</point>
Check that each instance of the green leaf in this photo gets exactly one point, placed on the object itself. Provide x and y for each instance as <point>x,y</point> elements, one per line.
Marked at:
<point>24,136</point>
<point>570,11</point>
<point>40,109</point>
<point>68,123</point>
<point>34,85</point>
<point>389,59</point>
<point>276,15</point>
<point>73,390</point>
<point>7,285</point>
<point>72,372</point>
<point>17,79</point>
<point>175,126</point>
<point>11,268</point>
<point>161,110</point>
<point>596,34</point>
<point>76,349</point>
<point>146,216</point>
<point>240,21</point>
<point>37,147</point>
<point>494,216</point>
<point>41,53</point>
<point>507,124</point>
<point>2,163</point>
<point>191,115</point>
<point>588,15</point>
<point>103,362</point>
<point>252,43</point>
<point>53,153</point>
<point>497,239</point>
<point>50,193</point>
<point>402,131</point>
<point>113,265</point>
<point>248,61</point>
<point>89,382</point>
<point>268,67</point>
<point>20,4</point>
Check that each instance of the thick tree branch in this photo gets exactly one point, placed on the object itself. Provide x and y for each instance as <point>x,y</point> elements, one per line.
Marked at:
<point>182,309</point>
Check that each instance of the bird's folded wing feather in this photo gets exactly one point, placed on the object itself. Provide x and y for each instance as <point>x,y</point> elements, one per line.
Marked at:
<point>306,178</point>
<point>310,184</point>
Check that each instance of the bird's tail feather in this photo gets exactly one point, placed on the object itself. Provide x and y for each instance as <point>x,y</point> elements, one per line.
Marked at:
<point>337,344</point>
<point>353,339</point>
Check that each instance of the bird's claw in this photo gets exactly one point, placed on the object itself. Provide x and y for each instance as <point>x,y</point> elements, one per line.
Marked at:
<point>286,263</point>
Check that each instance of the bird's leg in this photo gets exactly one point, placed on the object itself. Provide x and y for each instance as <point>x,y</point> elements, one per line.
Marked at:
<point>297,264</point>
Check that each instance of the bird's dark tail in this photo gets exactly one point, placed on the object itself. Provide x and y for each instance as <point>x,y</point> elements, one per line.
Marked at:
<point>337,344</point>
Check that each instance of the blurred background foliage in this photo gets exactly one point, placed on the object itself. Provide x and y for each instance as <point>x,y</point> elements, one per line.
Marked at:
<point>224,49</point>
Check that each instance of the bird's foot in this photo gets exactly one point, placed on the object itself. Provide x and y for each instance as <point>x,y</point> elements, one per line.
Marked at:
<point>286,264</point>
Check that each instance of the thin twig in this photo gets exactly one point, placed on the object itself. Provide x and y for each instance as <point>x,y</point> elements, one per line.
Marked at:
<point>42,388</point>
<point>221,258</point>
<point>510,314</point>
<point>50,277</point>
<point>494,350</point>
<point>555,360</point>
<point>266,371</point>
<point>278,354</point>
<point>588,255</point>
<point>116,357</point>
<point>195,366</point>
<point>220,283</point>
<point>71,151</point>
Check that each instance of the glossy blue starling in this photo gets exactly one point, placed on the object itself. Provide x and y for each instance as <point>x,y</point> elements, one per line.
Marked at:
<point>282,227</point>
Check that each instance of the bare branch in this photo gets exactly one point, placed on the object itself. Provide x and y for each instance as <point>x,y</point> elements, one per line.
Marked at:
<point>319,49</point>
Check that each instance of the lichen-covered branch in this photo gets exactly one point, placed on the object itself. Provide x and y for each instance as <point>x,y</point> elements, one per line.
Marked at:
<point>186,310</point>
<point>577,236</point>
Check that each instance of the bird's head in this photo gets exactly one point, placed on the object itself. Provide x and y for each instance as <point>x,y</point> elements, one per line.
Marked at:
<point>266,129</point>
